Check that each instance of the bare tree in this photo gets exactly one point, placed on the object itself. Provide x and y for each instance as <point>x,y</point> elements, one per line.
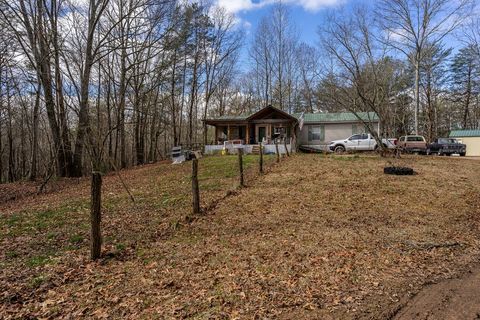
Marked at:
<point>411,26</point>
<point>361,83</point>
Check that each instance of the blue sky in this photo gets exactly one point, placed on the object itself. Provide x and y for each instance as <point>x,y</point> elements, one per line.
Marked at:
<point>306,15</point>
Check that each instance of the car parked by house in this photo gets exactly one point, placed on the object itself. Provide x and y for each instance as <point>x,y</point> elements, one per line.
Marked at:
<point>446,146</point>
<point>412,144</point>
<point>359,142</point>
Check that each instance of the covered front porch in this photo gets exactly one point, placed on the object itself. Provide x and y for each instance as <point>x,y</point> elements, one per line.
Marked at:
<point>267,126</point>
<point>252,133</point>
<point>248,148</point>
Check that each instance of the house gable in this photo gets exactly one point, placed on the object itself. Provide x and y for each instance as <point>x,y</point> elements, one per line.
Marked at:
<point>273,113</point>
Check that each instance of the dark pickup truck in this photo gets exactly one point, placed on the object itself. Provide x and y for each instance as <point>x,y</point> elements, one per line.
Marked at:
<point>446,146</point>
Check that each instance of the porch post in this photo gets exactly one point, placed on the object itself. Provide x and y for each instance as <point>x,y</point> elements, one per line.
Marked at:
<point>216,135</point>
<point>228,132</point>
<point>247,134</point>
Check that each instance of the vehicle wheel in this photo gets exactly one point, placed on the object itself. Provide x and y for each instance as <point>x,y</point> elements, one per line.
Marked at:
<point>339,149</point>
<point>462,154</point>
<point>429,152</point>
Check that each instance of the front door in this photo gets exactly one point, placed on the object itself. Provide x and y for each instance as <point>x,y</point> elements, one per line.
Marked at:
<point>262,133</point>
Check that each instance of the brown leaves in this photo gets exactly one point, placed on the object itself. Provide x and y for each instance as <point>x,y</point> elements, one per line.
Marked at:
<point>316,237</point>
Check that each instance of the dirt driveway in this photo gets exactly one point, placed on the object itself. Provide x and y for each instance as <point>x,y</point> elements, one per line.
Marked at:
<point>448,300</point>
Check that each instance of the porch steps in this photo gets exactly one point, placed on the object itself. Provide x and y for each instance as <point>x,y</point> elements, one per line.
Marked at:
<point>255,149</point>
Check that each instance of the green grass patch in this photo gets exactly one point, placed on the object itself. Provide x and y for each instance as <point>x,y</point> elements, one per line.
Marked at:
<point>38,261</point>
<point>226,166</point>
<point>11,254</point>
<point>76,239</point>
<point>31,222</point>
<point>13,220</point>
<point>37,281</point>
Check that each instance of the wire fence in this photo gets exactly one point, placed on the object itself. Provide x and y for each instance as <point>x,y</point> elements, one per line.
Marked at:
<point>218,176</point>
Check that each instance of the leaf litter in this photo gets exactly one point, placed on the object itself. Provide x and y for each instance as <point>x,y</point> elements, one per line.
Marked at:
<point>315,237</point>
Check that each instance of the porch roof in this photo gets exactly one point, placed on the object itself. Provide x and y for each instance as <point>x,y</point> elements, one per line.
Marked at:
<point>266,113</point>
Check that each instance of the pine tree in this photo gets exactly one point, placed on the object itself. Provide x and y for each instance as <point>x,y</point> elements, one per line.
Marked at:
<point>465,82</point>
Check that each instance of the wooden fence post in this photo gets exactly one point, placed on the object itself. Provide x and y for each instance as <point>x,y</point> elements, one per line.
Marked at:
<point>261,157</point>
<point>285,144</point>
<point>195,189</point>
<point>276,148</point>
<point>96,215</point>
<point>240,167</point>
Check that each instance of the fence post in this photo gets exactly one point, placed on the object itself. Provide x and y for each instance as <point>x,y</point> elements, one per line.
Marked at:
<point>96,215</point>
<point>240,167</point>
<point>195,189</point>
<point>261,157</point>
<point>276,148</point>
<point>285,144</point>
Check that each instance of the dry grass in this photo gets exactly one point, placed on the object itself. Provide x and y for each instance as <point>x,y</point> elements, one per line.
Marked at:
<point>316,237</point>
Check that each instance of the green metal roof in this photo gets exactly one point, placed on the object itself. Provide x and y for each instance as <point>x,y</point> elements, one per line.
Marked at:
<point>315,117</point>
<point>337,117</point>
<point>464,133</point>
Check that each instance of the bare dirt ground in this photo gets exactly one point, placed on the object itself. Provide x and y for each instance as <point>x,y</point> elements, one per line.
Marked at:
<point>449,300</point>
<point>316,238</point>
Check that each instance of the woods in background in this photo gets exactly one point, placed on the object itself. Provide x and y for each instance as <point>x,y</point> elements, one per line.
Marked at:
<point>103,84</point>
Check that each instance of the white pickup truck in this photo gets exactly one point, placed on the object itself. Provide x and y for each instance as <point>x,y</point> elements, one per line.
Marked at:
<point>359,142</point>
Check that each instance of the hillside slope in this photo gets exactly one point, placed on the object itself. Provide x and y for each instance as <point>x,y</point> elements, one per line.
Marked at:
<point>315,237</point>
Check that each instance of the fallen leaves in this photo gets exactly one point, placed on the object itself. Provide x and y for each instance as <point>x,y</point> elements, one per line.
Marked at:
<point>316,237</point>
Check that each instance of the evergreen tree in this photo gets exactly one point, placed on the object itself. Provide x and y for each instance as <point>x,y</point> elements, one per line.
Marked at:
<point>465,83</point>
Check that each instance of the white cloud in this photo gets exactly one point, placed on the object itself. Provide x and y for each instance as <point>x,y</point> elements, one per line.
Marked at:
<point>315,5</point>
<point>235,6</point>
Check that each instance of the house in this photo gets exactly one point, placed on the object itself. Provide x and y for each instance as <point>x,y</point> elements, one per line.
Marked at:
<point>321,128</point>
<point>307,129</point>
<point>471,138</point>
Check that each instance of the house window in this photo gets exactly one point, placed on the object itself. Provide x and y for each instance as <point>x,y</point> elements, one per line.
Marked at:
<point>316,133</point>
<point>280,130</point>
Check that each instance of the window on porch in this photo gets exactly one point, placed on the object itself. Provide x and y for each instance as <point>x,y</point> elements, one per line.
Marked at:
<point>232,133</point>
<point>283,131</point>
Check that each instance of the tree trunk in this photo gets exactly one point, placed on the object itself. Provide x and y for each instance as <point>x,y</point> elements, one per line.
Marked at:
<point>41,52</point>
<point>65,145</point>
<point>417,92</point>
<point>121,110</point>
<point>83,122</point>
<point>172,93</point>
<point>467,99</point>
<point>36,108</point>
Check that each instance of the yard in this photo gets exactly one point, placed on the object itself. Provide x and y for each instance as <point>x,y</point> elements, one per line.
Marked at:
<point>316,237</point>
